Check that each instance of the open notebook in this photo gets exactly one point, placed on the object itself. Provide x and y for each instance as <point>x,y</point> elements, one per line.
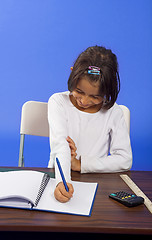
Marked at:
<point>35,190</point>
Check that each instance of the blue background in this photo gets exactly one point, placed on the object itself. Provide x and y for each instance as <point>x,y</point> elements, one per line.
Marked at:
<point>39,41</point>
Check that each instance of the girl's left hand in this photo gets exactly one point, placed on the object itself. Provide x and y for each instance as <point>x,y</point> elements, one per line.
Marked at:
<point>75,163</point>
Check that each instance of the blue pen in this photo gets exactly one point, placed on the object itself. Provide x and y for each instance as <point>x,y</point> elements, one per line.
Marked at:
<point>62,175</point>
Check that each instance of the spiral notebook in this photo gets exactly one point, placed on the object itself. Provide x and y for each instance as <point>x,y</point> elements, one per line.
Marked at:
<point>35,190</point>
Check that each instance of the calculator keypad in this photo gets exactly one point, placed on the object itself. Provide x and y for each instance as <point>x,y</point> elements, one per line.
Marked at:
<point>122,195</point>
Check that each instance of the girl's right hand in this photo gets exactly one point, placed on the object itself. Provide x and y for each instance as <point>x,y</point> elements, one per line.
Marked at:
<point>61,194</point>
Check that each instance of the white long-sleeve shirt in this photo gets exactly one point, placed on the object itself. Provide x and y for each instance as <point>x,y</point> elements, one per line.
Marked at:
<point>101,138</point>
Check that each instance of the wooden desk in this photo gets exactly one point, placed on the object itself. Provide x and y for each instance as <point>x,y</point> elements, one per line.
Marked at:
<point>108,216</point>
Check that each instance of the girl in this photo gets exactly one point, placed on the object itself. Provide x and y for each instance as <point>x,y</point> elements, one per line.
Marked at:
<point>88,132</point>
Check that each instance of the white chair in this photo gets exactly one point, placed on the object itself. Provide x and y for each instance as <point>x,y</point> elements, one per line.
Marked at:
<point>34,121</point>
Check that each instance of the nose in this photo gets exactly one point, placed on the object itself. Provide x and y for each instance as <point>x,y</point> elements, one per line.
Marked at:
<point>84,100</point>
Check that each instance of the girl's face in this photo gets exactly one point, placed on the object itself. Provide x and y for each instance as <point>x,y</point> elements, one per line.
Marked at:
<point>86,96</point>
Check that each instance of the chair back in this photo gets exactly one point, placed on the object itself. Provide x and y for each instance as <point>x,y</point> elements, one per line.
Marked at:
<point>34,120</point>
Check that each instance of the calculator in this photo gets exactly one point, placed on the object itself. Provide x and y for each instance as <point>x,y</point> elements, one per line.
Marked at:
<point>127,199</point>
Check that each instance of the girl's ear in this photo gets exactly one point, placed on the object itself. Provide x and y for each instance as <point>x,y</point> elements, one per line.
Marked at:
<point>71,68</point>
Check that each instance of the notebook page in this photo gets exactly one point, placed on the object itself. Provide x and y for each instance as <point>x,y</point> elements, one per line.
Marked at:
<point>80,204</point>
<point>15,202</point>
<point>24,183</point>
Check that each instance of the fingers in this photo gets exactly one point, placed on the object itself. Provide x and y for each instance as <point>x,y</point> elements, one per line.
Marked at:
<point>73,153</point>
<point>61,194</point>
<point>70,141</point>
<point>72,146</point>
<point>71,189</point>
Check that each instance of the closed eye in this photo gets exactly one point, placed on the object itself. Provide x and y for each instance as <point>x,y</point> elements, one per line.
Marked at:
<point>79,91</point>
<point>95,97</point>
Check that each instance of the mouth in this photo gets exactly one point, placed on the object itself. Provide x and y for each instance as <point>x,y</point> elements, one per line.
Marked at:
<point>82,105</point>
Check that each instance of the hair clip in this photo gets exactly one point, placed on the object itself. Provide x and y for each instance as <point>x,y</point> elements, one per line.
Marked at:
<point>94,70</point>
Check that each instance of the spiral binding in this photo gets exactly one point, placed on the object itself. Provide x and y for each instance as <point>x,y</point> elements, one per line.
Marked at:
<point>44,182</point>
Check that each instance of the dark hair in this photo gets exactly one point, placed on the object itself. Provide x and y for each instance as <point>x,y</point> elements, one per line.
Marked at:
<point>109,76</point>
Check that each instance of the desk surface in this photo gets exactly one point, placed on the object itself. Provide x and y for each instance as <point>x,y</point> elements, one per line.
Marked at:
<point>108,216</point>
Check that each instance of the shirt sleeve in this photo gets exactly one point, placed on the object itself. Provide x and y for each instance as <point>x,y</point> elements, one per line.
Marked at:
<point>58,134</point>
<point>120,157</point>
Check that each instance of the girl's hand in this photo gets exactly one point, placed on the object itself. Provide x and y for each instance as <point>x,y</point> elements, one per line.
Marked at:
<point>75,163</point>
<point>61,194</point>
